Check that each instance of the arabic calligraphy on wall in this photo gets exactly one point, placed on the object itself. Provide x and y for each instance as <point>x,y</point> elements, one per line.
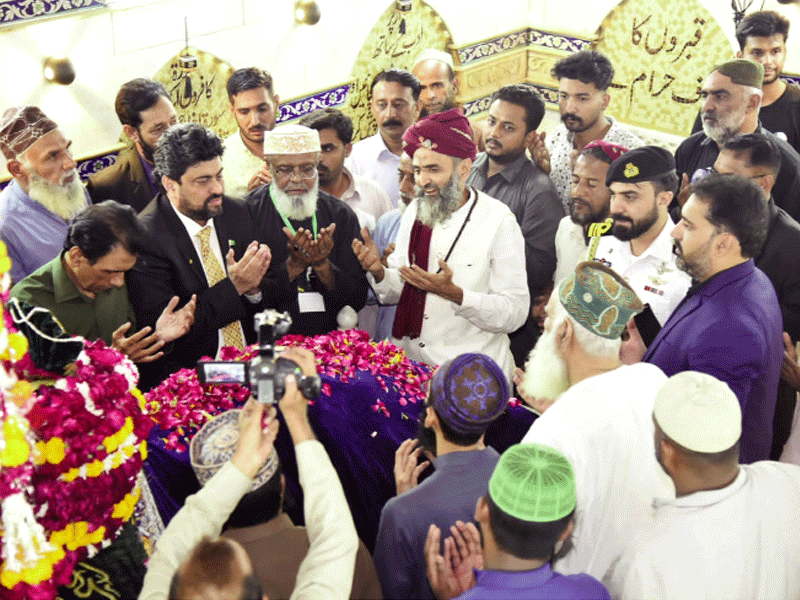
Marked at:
<point>394,41</point>
<point>661,52</point>
<point>199,94</point>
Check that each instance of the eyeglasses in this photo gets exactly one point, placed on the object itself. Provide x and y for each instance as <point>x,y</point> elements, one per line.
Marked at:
<point>303,171</point>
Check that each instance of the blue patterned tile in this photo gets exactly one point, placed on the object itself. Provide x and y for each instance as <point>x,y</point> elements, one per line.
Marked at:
<point>303,106</point>
<point>16,11</point>
<point>523,37</point>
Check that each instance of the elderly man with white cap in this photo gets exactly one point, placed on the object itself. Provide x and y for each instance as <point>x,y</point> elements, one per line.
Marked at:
<point>309,232</point>
<point>46,193</point>
<point>731,530</point>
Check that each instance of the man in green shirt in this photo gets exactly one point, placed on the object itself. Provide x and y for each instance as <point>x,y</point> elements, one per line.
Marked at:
<point>84,287</point>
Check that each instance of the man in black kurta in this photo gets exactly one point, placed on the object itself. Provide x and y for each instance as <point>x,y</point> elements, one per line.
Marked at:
<point>309,233</point>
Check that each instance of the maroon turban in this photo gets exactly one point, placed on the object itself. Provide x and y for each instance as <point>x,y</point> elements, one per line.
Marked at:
<point>447,133</point>
<point>20,127</point>
<point>612,151</point>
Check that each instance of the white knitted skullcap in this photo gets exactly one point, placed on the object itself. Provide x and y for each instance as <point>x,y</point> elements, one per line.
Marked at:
<point>433,54</point>
<point>291,139</point>
<point>699,412</point>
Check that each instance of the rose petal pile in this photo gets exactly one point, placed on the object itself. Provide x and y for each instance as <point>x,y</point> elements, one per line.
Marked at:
<point>181,404</point>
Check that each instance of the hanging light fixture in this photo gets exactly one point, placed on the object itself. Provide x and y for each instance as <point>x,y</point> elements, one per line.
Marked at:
<point>58,70</point>
<point>306,12</point>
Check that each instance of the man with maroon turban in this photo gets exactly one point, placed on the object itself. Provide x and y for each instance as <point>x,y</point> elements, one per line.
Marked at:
<point>458,270</point>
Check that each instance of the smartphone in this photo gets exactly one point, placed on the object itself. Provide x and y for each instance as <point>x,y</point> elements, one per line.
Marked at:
<point>648,325</point>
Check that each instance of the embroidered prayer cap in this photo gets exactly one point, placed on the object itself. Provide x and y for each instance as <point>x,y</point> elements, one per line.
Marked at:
<point>612,151</point>
<point>469,392</point>
<point>21,127</point>
<point>742,72</point>
<point>599,299</point>
<point>533,483</point>
<point>216,443</point>
<point>641,164</point>
<point>447,132</point>
<point>434,54</point>
<point>291,139</point>
<point>699,412</point>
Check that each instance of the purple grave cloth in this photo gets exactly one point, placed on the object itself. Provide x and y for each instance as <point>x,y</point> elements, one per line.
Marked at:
<point>360,441</point>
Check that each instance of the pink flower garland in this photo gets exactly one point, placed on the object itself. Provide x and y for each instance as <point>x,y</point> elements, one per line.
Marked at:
<point>92,420</point>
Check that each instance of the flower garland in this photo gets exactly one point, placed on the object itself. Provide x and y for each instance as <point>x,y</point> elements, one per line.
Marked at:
<point>181,404</point>
<point>71,454</point>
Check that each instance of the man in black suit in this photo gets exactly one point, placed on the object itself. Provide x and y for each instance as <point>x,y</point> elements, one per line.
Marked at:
<point>756,156</point>
<point>201,243</point>
<point>145,111</point>
<point>309,232</point>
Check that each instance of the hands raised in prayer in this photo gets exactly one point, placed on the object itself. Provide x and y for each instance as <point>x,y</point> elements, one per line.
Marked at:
<point>451,574</point>
<point>406,469</point>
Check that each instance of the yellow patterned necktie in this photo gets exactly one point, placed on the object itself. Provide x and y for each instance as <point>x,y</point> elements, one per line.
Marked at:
<point>232,332</point>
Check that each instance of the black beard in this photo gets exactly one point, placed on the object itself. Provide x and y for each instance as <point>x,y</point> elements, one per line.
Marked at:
<point>635,229</point>
<point>148,151</point>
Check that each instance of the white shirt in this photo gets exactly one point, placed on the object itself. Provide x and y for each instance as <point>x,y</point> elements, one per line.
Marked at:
<point>367,196</point>
<point>604,426</point>
<point>327,569</point>
<point>488,263</point>
<point>372,159</point>
<point>560,144</point>
<point>570,248</point>
<point>737,543</point>
<point>239,165</point>
<point>653,275</point>
<point>193,228</point>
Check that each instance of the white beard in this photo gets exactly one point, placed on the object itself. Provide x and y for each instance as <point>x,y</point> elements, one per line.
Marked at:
<point>433,210</point>
<point>297,208</point>
<point>64,200</point>
<point>545,372</point>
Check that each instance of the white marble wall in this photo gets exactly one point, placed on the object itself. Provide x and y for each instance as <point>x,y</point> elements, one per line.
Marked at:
<point>111,46</point>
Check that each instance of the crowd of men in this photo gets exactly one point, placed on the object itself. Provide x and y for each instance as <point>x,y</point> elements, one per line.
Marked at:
<point>645,303</point>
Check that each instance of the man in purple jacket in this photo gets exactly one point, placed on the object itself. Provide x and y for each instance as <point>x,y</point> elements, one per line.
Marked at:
<point>729,324</point>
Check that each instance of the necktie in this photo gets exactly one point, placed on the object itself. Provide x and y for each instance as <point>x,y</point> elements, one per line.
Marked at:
<point>232,332</point>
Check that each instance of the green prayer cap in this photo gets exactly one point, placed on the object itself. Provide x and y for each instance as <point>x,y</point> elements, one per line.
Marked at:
<point>599,299</point>
<point>533,483</point>
<point>742,72</point>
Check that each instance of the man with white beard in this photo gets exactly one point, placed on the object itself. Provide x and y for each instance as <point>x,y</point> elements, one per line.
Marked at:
<point>458,271</point>
<point>36,207</point>
<point>309,232</point>
<point>601,417</point>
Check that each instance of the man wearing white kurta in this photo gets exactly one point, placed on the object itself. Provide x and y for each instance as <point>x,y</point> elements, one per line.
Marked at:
<point>471,291</point>
<point>732,530</point>
<point>601,419</point>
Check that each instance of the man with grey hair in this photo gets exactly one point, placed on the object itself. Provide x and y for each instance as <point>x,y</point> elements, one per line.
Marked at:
<point>309,232</point>
<point>46,193</point>
<point>731,96</point>
<point>729,531</point>
<point>599,415</point>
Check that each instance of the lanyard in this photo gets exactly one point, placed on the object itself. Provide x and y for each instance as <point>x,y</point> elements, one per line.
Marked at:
<point>289,225</point>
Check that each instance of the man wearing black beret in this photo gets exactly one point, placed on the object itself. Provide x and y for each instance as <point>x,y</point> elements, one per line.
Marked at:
<point>642,182</point>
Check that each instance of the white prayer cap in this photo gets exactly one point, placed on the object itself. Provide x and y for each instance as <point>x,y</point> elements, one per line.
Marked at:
<point>699,412</point>
<point>433,54</point>
<point>291,139</point>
